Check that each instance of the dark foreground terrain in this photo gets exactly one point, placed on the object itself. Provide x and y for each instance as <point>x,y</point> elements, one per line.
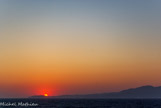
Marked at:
<point>80,103</point>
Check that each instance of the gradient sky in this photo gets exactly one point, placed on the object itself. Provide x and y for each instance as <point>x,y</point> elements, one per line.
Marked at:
<point>78,46</point>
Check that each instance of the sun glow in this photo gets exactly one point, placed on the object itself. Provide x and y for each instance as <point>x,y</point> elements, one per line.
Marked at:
<point>45,94</point>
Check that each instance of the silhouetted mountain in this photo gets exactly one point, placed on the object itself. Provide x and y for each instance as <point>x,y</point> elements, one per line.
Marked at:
<point>37,96</point>
<point>140,92</point>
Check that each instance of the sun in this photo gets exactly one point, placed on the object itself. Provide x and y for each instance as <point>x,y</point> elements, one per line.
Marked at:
<point>45,94</point>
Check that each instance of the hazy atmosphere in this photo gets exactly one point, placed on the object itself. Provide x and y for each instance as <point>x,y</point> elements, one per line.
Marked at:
<point>78,46</point>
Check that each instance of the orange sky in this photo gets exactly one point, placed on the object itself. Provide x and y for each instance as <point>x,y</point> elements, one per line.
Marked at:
<point>78,47</point>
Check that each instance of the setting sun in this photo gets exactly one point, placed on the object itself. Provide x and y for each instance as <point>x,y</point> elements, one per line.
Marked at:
<point>45,94</point>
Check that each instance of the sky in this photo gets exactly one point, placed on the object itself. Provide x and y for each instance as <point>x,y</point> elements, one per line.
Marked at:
<point>78,46</point>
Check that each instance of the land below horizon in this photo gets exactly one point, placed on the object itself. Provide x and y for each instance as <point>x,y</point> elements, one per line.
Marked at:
<point>147,91</point>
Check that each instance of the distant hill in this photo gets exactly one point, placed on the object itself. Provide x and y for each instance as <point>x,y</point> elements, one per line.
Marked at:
<point>37,96</point>
<point>140,92</point>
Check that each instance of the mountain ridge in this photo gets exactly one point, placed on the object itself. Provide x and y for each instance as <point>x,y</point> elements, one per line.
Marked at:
<point>146,91</point>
